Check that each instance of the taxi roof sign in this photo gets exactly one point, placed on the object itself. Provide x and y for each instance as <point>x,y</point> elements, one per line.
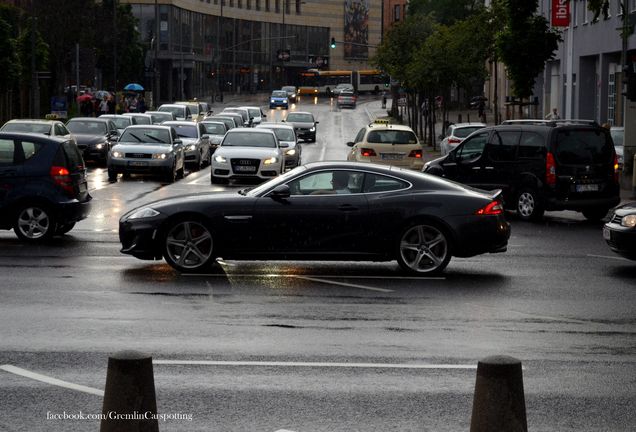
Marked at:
<point>381,121</point>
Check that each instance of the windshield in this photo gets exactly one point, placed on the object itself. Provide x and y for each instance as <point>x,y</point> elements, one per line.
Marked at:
<point>284,134</point>
<point>87,127</point>
<point>578,147</point>
<point>214,128</point>
<point>296,117</point>
<point>617,136</point>
<point>279,94</point>
<point>392,137</point>
<point>290,89</point>
<point>464,132</point>
<point>146,136</point>
<point>185,131</point>
<point>255,112</point>
<point>28,127</point>
<point>247,139</point>
<point>194,108</point>
<point>121,123</point>
<point>176,111</point>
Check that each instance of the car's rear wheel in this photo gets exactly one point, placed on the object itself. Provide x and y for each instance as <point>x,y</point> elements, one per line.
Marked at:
<point>188,246</point>
<point>424,249</point>
<point>529,205</point>
<point>595,213</point>
<point>34,223</point>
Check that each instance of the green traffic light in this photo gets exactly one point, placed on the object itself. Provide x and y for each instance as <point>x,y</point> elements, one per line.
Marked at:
<point>333,43</point>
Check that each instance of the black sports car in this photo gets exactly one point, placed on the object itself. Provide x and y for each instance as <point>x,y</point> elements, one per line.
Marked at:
<point>323,211</point>
<point>620,231</point>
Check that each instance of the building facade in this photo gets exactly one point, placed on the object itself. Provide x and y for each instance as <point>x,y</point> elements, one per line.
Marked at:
<point>393,11</point>
<point>205,47</point>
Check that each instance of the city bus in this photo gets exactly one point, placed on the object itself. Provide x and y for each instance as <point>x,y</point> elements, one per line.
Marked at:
<point>370,80</point>
<point>321,82</point>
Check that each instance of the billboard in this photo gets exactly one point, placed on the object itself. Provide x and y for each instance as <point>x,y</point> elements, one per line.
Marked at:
<point>560,13</point>
<point>356,29</point>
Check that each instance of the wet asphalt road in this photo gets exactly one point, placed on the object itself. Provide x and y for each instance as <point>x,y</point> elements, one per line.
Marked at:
<point>318,346</point>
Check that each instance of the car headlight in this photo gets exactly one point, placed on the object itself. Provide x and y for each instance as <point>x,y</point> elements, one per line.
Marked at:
<point>285,101</point>
<point>629,221</point>
<point>290,152</point>
<point>313,129</point>
<point>294,95</point>
<point>273,101</point>
<point>160,155</point>
<point>99,146</point>
<point>220,159</point>
<point>270,161</point>
<point>143,213</point>
<point>116,155</point>
<point>192,147</point>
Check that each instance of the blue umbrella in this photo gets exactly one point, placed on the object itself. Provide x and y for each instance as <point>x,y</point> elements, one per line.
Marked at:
<point>134,87</point>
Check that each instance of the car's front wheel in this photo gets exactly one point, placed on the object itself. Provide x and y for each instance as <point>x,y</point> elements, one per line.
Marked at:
<point>34,223</point>
<point>595,213</point>
<point>188,246</point>
<point>423,249</point>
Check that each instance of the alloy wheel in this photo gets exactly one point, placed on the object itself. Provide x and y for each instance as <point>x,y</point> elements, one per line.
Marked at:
<point>526,204</point>
<point>424,249</point>
<point>188,246</point>
<point>33,223</point>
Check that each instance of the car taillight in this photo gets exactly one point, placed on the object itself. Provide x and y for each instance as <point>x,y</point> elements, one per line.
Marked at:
<point>62,177</point>
<point>454,140</point>
<point>493,208</point>
<point>616,168</point>
<point>550,169</point>
<point>366,152</point>
<point>416,154</point>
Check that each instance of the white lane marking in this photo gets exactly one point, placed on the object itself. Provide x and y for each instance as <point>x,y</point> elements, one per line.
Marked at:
<point>344,284</point>
<point>313,364</point>
<point>367,111</point>
<point>273,275</point>
<point>608,257</point>
<point>52,381</point>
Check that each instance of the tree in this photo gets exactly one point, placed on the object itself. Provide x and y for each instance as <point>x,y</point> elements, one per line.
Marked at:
<point>9,61</point>
<point>524,44</point>
<point>25,53</point>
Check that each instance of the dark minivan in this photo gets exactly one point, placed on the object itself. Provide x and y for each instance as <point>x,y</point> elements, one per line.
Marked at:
<point>556,166</point>
<point>43,187</point>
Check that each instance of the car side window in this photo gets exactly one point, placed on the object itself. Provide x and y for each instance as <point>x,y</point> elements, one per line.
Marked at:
<point>380,183</point>
<point>531,146</point>
<point>29,149</point>
<point>59,130</point>
<point>472,148</point>
<point>360,136</point>
<point>328,183</point>
<point>503,146</point>
<point>7,152</point>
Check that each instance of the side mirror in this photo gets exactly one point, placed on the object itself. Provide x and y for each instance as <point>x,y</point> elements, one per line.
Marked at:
<point>177,142</point>
<point>280,192</point>
<point>284,145</point>
<point>263,115</point>
<point>350,143</point>
<point>205,137</point>
<point>283,120</point>
<point>316,122</point>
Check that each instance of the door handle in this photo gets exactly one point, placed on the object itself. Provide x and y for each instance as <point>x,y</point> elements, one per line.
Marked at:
<point>490,168</point>
<point>476,168</point>
<point>238,218</point>
<point>347,207</point>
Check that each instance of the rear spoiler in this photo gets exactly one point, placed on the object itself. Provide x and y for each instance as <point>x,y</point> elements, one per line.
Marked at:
<point>496,195</point>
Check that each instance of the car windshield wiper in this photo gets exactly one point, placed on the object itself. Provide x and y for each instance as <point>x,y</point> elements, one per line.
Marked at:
<point>155,139</point>
<point>135,136</point>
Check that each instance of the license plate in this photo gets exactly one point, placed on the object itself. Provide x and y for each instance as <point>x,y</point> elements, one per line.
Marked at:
<point>390,156</point>
<point>138,163</point>
<point>606,233</point>
<point>82,187</point>
<point>587,188</point>
<point>244,168</point>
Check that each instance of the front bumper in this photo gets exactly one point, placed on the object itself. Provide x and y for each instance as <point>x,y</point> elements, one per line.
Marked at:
<point>93,153</point>
<point>232,169</point>
<point>305,133</point>
<point>620,239</point>
<point>139,238</point>
<point>128,165</point>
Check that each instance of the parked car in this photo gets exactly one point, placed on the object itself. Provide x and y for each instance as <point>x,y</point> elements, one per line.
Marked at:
<point>560,166</point>
<point>180,112</point>
<point>196,143</point>
<point>144,149</point>
<point>54,128</point>
<point>247,154</point>
<point>43,187</point>
<point>159,117</point>
<point>386,214</point>
<point>456,133</point>
<point>288,142</point>
<point>216,129</point>
<point>304,125</point>
<point>347,98</point>
<point>94,136</point>
<point>141,118</point>
<point>121,121</point>
<point>620,231</point>
<point>342,87</point>
<point>256,114</point>
<point>279,98</point>
<point>618,136</point>
<point>387,144</point>
<point>292,93</point>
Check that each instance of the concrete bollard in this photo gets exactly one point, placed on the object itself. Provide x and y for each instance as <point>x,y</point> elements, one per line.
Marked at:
<point>129,398</point>
<point>499,403</point>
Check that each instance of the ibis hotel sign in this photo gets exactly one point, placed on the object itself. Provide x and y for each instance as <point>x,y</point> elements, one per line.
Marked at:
<point>560,13</point>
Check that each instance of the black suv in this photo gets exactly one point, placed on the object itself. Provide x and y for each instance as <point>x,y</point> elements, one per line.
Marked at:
<point>560,165</point>
<point>43,188</point>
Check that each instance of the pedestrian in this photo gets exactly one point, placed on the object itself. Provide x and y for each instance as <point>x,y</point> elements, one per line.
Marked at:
<point>554,115</point>
<point>111,105</point>
<point>103,106</point>
<point>141,104</point>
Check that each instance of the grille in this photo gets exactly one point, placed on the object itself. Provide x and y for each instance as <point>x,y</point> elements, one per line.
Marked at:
<point>139,155</point>
<point>616,219</point>
<point>245,166</point>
